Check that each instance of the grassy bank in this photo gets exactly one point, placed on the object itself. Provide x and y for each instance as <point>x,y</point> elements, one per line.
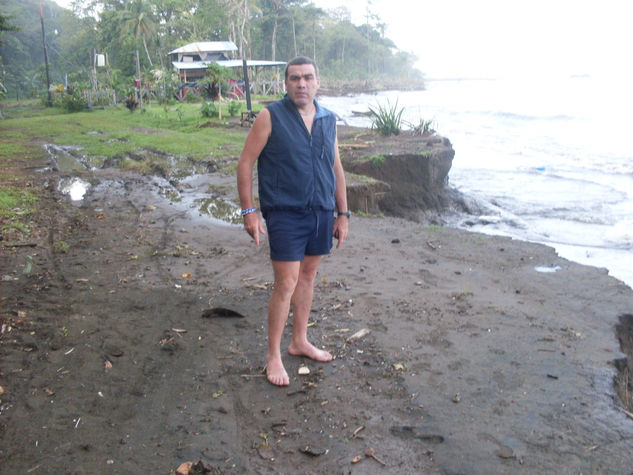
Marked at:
<point>175,130</point>
<point>143,140</point>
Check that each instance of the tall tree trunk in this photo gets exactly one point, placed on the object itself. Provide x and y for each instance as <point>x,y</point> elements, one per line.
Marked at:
<point>343,52</point>
<point>274,41</point>
<point>294,35</point>
<point>247,25</point>
<point>147,52</point>
<point>314,40</point>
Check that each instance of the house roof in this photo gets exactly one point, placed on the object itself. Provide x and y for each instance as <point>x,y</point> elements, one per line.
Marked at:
<point>206,46</point>
<point>231,63</point>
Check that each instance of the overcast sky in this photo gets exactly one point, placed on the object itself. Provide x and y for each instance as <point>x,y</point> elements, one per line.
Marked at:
<point>493,38</point>
<point>502,37</point>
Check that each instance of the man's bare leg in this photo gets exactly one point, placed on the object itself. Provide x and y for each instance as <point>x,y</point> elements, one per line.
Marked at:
<point>286,275</point>
<point>301,305</point>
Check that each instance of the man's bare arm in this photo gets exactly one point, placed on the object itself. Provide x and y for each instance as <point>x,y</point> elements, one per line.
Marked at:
<point>255,143</point>
<point>341,223</point>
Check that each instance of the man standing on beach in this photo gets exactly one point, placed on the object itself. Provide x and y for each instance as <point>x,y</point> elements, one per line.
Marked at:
<point>301,183</point>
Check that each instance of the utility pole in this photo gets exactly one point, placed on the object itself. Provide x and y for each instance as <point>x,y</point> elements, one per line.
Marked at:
<point>48,81</point>
<point>94,70</point>
<point>140,82</point>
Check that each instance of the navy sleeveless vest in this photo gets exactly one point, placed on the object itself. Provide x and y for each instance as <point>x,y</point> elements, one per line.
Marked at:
<point>296,168</point>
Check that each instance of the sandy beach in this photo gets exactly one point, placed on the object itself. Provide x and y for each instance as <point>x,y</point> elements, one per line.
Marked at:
<point>141,346</point>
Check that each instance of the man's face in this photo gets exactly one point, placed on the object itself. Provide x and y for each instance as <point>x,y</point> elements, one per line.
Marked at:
<point>302,84</point>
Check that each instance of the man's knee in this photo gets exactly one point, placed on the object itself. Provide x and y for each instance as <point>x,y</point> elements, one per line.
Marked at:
<point>308,269</point>
<point>307,277</point>
<point>285,285</point>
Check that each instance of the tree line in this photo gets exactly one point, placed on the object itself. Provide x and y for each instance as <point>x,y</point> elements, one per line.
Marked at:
<point>261,29</point>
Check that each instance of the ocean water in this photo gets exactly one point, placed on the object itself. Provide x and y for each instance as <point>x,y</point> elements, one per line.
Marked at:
<point>549,159</point>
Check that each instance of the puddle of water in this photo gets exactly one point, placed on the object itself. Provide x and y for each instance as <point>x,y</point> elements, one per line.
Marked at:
<point>76,188</point>
<point>219,209</point>
<point>547,270</point>
<point>177,166</point>
<point>193,195</point>
<point>67,158</point>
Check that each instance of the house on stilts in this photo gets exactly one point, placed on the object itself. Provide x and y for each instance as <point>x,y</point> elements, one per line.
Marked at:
<point>191,62</point>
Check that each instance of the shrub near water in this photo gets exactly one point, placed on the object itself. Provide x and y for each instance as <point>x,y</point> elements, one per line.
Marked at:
<point>387,120</point>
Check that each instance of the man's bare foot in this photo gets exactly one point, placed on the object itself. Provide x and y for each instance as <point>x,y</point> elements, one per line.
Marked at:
<point>276,373</point>
<point>309,350</point>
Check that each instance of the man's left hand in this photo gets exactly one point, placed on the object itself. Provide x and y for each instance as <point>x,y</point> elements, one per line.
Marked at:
<point>341,225</point>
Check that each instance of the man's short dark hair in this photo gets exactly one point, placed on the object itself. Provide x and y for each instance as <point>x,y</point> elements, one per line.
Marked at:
<point>302,60</point>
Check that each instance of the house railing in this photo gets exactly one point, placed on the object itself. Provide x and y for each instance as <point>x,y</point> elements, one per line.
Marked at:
<point>267,88</point>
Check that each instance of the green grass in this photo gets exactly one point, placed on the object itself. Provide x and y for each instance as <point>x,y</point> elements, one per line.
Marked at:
<point>355,178</point>
<point>15,147</point>
<point>376,161</point>
<point>9,150</point>
<point>27,108</point>
<point>118,132</point>
<point>16,205</point>
<point>61,247</point>
<point>15,202</point>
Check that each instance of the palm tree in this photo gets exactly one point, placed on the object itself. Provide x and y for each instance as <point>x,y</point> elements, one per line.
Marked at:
<point>138,21</point>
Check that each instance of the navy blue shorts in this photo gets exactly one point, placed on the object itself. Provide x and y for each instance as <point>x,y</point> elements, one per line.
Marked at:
<point>294,234</point>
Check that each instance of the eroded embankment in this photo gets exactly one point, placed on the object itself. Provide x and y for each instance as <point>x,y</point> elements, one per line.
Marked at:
<point>624,379</point>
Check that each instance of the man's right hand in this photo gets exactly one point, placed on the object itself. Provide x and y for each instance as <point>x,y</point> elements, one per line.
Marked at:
<point>254,225</point>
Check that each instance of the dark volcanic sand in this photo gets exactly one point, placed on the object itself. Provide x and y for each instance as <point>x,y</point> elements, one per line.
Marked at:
<point>474,361</point>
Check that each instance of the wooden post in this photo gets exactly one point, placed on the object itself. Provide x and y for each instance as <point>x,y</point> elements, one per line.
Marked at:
<point>247,87</point>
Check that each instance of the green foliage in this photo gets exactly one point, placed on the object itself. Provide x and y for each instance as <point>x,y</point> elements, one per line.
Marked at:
<point>6,25</point>
<point>234,108</point>
<point>131,103</point>
<point>377,161</point>
<point>265,29</point>
<point>71,99</point>
<point>138,20</point>
<point>387,120</point>
<point>210,85</point>
<point>191,97</point>
<point>208,110</point>
<point>423,127</point>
